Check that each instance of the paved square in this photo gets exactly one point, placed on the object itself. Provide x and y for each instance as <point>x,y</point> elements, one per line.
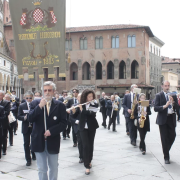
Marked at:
<point>114,158</point>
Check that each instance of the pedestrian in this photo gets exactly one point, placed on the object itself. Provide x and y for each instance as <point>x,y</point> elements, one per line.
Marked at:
<point>46,142</point>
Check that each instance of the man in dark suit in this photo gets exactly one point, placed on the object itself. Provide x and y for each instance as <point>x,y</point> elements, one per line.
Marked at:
<point>23,114</point>
<point>127,105</point>
<point>5,121</point>
<point>2,116</point>
<point>64,95</point>
<point>127,128</point>
<point>15,110</point>
<point>166,105</point>
<point>46,142</point>
<point>103,109</point>
<point>70,103</point>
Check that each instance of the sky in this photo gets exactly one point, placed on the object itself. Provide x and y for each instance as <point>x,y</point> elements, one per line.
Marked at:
<point>162,16</point>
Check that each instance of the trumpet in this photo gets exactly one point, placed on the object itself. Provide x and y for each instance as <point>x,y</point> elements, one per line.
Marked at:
<point>81,105</point>
<point>12,96</point>
<point>67,98</point>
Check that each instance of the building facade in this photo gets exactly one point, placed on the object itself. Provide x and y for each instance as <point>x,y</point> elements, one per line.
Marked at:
<point>104,58</point>
<point>8,68</point>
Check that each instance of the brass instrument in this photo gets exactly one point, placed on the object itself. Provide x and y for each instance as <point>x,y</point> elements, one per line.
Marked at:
<point>12,96</point>
<point>133,106</point>
<point>114,107</point>
<point>67,98</point>
<point>136,91</point>
<point>142,118</point>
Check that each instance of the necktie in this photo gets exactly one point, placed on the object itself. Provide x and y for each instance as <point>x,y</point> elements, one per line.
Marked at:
<point>167,98</point>
<point>48,107</point>
<point>75,101</point>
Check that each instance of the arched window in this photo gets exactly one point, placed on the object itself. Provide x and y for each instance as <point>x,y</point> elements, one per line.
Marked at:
<point>134,70</point>
<point>99,70</point>
<point>83,43</point>
<point>110,70</point>
<point>122,70</point>
<point>86,73</point>
<point>99,42</point>
<point>73,71</point>
<point>131,41</point>
<point>115,42</point>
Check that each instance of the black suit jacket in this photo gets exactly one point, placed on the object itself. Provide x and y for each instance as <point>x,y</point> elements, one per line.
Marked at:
<point>160,101</point>
<point>109,107</point>
<point>103,108</point>
<point>5,121</point>
<point>21,115</point>
<point>56,123</point>
<point>74,117</point>
<point>61,99</point>
<point>23,101</point>
<point>127,104</point>
<point>88,117</point>
<point>2,116</point>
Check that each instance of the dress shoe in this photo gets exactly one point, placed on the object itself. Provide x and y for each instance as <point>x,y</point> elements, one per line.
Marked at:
<point>11,144</point>
<point>114,130</point>
<point>81,161</point>
<point>33,158</point>
<point>108,127</point>
<point>104,127</point>
<point>75,145</point>
<point>127,133</point>
<point>167,161</point>
<point>64,138</point>
<point>87,173</point>
<point>133,143</point>
<point>15,134</point>
<point>144,152</point>
<point>28,163</point>
<point>4,153</point>
<point>68,135</point>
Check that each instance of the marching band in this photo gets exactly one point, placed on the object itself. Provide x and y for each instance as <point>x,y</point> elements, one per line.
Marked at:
<point>79,112</point>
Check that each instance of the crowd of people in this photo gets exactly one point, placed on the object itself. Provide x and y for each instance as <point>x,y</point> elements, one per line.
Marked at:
<point>45,118</point>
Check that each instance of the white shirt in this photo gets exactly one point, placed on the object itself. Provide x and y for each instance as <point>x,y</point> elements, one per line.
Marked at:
<point>140,110</point>
<point>87,107</point>
<point>170,110</point>
<point>132,99</point>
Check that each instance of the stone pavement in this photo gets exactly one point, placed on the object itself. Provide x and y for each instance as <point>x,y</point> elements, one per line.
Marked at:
<point>114,158</point>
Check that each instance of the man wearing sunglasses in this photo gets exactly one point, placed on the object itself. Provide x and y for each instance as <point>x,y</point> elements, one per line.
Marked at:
<point>71,102</point>
<point>23,114</point>
<point>46,142</point>
<point>64,95</point>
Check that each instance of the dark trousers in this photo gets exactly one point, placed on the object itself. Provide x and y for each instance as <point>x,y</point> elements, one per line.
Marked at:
<point>15,125</point>
<point>4,140</point>
<point>113,120</point>
<point>27,145</point>
<point>0,141</point>
<point>132,129</point>
<point>74,136</point>
<point>88,146</point>
<point>11,127</point>
<point>127,128</point>
<point>80,145</point>
<point>142,134</point>
<point>67,130</point>
<point>104,116</point>
<point>168,135</point>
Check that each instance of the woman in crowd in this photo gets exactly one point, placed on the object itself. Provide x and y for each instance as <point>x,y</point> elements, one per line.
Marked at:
<point>87,126</point>
<point>138,113</point>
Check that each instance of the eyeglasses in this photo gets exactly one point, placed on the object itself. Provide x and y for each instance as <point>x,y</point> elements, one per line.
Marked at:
<point>29,98</point>
<point>74,92</point>
<point>49,90</point>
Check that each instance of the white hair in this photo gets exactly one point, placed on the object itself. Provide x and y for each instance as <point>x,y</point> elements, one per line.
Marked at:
<point>133,85</point>
<point>50,83</point>
<point>29,93</point>
<point>2,92</point>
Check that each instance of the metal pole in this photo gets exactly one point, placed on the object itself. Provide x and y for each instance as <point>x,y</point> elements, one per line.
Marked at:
<point>42,82</point>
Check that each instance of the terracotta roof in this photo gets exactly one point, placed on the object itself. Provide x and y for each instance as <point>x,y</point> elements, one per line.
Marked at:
<point>109,27</point>
<point>170,60</point>
<point>124,86</point>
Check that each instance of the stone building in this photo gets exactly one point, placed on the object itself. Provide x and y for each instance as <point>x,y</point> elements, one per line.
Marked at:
<point>8,68</point>
<point>106,58</point>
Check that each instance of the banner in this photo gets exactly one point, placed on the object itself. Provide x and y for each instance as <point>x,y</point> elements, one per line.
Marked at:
<point>39,35</point>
